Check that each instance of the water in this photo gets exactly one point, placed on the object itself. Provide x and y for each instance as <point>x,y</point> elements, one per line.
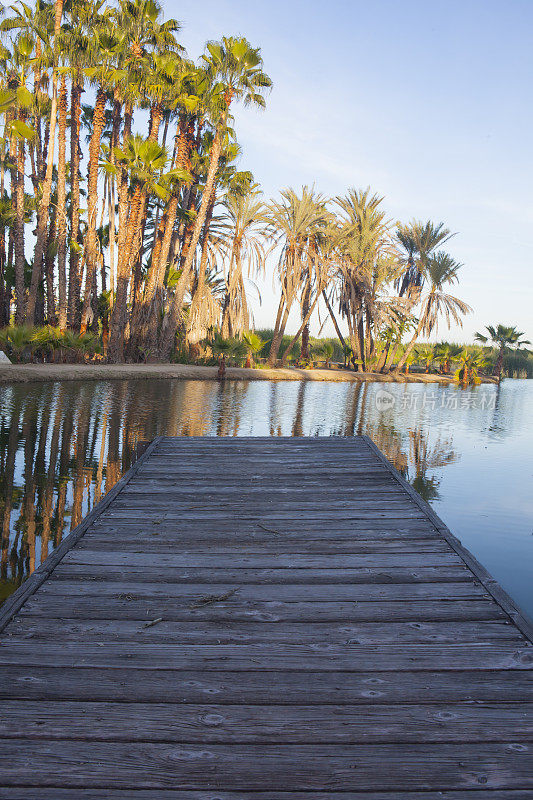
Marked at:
<point>467,451</point>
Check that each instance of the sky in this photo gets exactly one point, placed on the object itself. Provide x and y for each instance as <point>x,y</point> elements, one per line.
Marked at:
<point>427,102</point>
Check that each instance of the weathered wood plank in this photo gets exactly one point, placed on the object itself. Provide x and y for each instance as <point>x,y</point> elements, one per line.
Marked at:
<point>221,560</point>
<point>278,656</point>
<point>225,687</point>
<point>192,594</point>
<point>352,576</point>
<point>243,724</point>
<point>379,510</point>
<point>290,488</point>
<point>145,608</point>
<point>153,541</point>
<point>301,527</point>
<point>252,633</point>
<point>298,767</point>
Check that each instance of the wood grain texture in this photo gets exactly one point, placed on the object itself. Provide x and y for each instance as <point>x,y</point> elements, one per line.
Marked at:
<point>249,724</point>
<point>385,767</point>
<point>264,619</point>
<point>240,610</point>
<point>281,687</point>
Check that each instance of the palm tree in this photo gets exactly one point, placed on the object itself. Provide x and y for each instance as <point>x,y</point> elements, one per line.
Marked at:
<point>184,104</point>
<point>425,356</point>
<point>84,16</point>
<point>104,51</point>
<point>254,344</point>
<point>440,270</point>
<point>470,364</point>
<point>366,265</point>
<point>234,70</point>
<point>298,226</point>
<point>418,241</point>
<point>144,160</point>
<point>42,217</point>
<point>212,245</point>
<point>504,338</point>
<point>244,219</point>
<point>61,214</point>
<point>445,353</point>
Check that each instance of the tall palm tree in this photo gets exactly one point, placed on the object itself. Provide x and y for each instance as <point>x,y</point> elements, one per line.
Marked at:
<point>43,211</point>
<point>145,161</point>
<point>244,217</point>
<point>418,241</point>
<point>504,338</point>
<point>28,29</point>
<point>298,226</point>
<point>235,72</point>
<point>104,49</point>
<point>440,270</point>
<point>61,213</point>
<point>366,264</point>
<point>84,17</point>
<point>184,104</point>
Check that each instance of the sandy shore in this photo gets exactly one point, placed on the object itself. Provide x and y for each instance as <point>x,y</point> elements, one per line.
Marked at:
<point>102,372</point>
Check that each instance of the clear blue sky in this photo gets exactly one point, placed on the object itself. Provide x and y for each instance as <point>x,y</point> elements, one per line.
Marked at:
<point>428,102</point>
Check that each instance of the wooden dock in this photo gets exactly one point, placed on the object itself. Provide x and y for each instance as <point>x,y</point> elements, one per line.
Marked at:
<point>264,619</point>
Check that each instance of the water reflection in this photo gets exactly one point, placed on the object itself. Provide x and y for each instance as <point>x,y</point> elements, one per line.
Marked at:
<point>64,445</point>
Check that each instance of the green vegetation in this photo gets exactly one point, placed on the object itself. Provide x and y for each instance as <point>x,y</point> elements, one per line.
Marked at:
<point>148,239</point>
<point>145,239</point>
<point>504,338</point>
<point>22,343</point>
<point>471,363</point>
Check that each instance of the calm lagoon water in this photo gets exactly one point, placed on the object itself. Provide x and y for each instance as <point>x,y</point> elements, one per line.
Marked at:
<point>469,452</point>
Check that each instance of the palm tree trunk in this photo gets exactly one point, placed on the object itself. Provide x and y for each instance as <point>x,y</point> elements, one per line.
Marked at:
<point>333,319</point>
<point>305,327</point>
<point>119,314</point>
<point>295,338</point>
<point>112,237</point>
<point>156,116</point>
<point>154,281</point>
<point>44,205</point>
<point>4,316</point>
<point>205,241</point>
<point>279,330</point>
<point>20,259</point>
<point>410,347</point>
<point>172,320</point>
<point>91,247</point>
<point>4,301</point>
<point>499,364</point>
<point>369,342</point>
<point>61,221</point>
<point>49,271</point>
<point>361,340</point>
<point>74,264</point>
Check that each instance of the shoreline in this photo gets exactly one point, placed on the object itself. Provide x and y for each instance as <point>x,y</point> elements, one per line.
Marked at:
<point>27,373</point>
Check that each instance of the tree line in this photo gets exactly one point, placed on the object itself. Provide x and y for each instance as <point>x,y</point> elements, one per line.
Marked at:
<point>126,219</point>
